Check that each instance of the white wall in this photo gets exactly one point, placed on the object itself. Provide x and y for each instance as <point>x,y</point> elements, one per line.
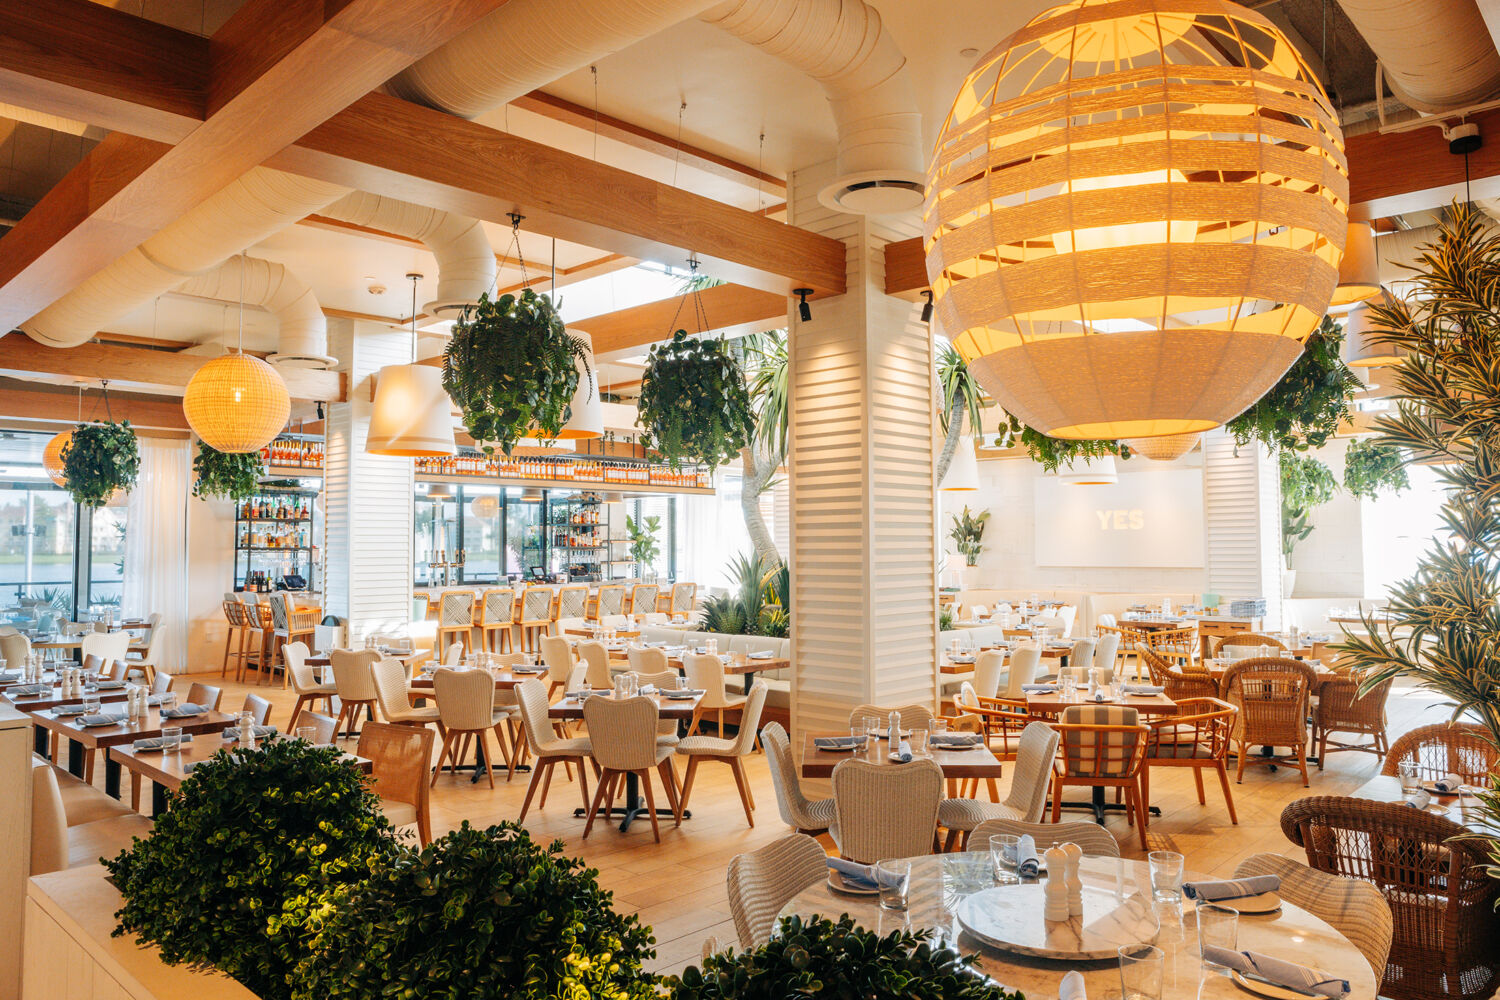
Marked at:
<point>210,575</point>
<point>1330,561</point>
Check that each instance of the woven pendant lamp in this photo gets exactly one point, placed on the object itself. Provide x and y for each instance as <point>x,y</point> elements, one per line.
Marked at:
<point>485,507</point>
<point>1135,212</point>
<point>236,403</point>
<point>1168,448</point>
<point>412,416</point>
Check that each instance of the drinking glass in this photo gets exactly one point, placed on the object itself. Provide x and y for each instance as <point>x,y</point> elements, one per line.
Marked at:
<point>682,682</point>
<point>584,689</point>
<point>1166,875</point>
<point>307,734</point>
<point>871,724</point>
<point>1141,967</point>
<point>1065,677</point>
<point>938,726</point>
<point>1410,781</point>
<point>168,700</point>
<point>894,877</point>
<point>171,739</point>
<point>918,743</point>
<point>92,705</point>
<point>1218,927</point>
<point>1005,855</point>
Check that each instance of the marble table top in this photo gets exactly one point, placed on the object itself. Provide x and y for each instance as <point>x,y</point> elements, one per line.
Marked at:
<point>940,883</point>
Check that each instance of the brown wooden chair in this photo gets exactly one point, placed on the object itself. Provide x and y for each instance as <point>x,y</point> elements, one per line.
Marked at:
<point>289,624</point>
<point>1103,746</point>
<point>1444,748</point>
<point>399,757</point>
<point>204,694</point>
<point>258,707</point>
<point>324,727</point>
<point>1196,737</point>
<point>1247,639</point>
<point>497,613</point>
<point>1272,695</point>
<point>1342,709</point>
<point>1442,899</point>
<point>456,619</point>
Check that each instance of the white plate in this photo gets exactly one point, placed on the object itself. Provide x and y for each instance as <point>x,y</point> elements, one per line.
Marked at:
<point>1266,902</point>
<point>882,734</point>
<point>848,749</point>
<point>954,746</point>
<point>837,884</point>
<point>100,725</point>
<point>1264,989</point>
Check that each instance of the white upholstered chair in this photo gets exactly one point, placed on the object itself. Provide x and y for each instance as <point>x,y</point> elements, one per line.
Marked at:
<point>797,811</point>
<point>1027,797</point>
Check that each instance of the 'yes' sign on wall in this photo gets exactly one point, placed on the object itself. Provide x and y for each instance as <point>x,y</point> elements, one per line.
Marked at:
<point>1149,518</point>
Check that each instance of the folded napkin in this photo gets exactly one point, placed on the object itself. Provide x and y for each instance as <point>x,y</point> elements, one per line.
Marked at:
<point>102,719</point>
<point>155,742</point>
<point>1071,987</point>
<point>232,734</point>
<point>28,690</point>
<point>578,695</point>
<point>68,710</point>
<point>9,676</point>
<point>837,742</point>
<point>1420,800</point>
<point>683,693</point>
<point>699,649</point>
<point>1100,696</point>
<point>183,711</point>
<point>1448,784</point>
<point>646,689</point>
<point>1039,688</point>
<point>1144,689</point>
<point>152,700</point>
<point>1230,888</point>
<point>1028,861</point>
<point>860,876</point>
<point>521,668</point>
<point>903,752</point>
<point>760,654</point>
<point>1279,971</point>
<point>107,685</point>
<point>955,739</point>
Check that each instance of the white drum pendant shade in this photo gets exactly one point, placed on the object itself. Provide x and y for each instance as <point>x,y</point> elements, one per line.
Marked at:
<point>1165,449</point>
<point>1090,472</point>
<point>412,416</point>
<point>1135,212</point>
<point>587,419</point>
<point>1359,270</point>
<point>1361,350</point>
<point>963,471</point>
<point>236,403</point>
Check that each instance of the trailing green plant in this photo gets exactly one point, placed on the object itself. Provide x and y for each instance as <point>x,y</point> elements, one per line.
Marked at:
<point>1053,453</point>
<point>511,366</point>
<point>1305,483</point>
<point>945,620</point>
<point>693,404</point>
<point>1306,405</point>
<point>477,913</point>
<point>1372,468</point>
<point>248,849</point>
<point>99,459</point>
<point>818,957</point>
<point>642,534</point>
<point>967,531</point>
<point>231,475</point>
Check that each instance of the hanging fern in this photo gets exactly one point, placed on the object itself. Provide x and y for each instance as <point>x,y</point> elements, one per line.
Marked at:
<point>1304,408</point>
<point>1053,453</point>
<point>98,460</point>
<point>693,404</point>
<point>510,367</point>
<point>231,475</point>
<point>1371,468</point>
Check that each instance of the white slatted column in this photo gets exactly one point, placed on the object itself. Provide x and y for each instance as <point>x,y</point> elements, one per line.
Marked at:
<point>1242,520</point>
<point>368,498</point>
<point>862,511</point>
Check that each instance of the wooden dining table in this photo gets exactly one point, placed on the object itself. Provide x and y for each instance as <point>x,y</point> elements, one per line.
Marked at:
<point>89,738</point>
<point>51,698</point>
<point>978,762</point>
<point>742,664</point>
<point>1387,788</point>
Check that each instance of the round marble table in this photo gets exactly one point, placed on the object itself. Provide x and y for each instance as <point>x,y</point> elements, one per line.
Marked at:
<point>940,882</point>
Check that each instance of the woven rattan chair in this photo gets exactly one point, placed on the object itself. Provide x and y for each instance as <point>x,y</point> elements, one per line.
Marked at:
<point>885,810</point>
<point>804,815</point>
<point>698,749</point>
<point>1178,646</point>
<point>1444,748</point>
<point>557,656</point>
<point>466,713</point>
<point>1027,799</point>
<point>705,672</point>
<point>611,602</point>
<point>684,596</point>
<point>1179,682</point>
<point>1090,837</point>
<point>572,602</point>
<point>1248,639</point>
<point>912,716</point>
<point>1196,737</point>
<point>399,757</point>
<point>623,734</point>
<point>497,613</point>
<point>1342,709</point>
<point>305,681</point>
<point>536,615</point>
<point>666,729</point>
<point>456,619</point>
<point>546,747</point>
<point>1082,656</point>
<point>1441,898</point>
<point>596,664</point>
<point>1107,650</point>
<point>1353,907</point>
<point>1103,746</point>
<point>353,684</point>
<point>643,599</point>
<point>391,692</point>
<point>1272,695</point>
<point>762,881</point>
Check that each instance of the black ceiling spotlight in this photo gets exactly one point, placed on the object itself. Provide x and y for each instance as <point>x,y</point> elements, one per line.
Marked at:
<point>320,409</point>
<point>927,306</point>
<point>803,309</point>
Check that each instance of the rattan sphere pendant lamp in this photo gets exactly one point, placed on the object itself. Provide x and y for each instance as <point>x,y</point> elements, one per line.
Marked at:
<point>1135,212</point>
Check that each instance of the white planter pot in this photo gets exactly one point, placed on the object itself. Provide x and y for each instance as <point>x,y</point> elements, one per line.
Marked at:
<point>1288,582</point>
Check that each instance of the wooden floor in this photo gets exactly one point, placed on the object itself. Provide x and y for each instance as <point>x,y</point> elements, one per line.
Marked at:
<point>677,887</point>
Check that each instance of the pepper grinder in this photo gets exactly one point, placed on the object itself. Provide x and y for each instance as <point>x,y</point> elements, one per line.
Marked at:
<point>1074,855</point>
<point>1056,886</point>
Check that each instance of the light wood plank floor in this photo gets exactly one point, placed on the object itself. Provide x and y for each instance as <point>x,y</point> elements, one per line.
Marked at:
<point>678,888</point>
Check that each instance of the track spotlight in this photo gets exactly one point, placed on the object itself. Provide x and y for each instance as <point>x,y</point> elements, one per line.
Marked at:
<point>927,306</point>
<point>803,309</point>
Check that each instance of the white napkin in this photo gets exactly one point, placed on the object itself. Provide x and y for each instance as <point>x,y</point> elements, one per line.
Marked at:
<point>1279,971</point>
<point>1449,783</point>
<point>1420,800</point>
<point>1071,987</point>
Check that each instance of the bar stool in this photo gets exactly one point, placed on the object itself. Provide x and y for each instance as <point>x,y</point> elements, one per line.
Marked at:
<point>456,619</point>
<point>571,602</point>
<point>643,598</point>
<point>497,613</point>
<point>237,632</point>
<point>611,602</point>
<point>684,595</point>
<point>288,625</point>
<point>536,615</point>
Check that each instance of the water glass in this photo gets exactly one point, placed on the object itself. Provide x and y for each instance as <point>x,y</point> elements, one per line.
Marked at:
<point>1141,967</point>
<point>682,682</point>
<point>168,700</point>
<point>894,877</point>
<point>1410,780</point>
<point>1065,677</point>
<point>918,743</point>
<point>92,705</point>
<point>171,739</point>
<point>1166,875</point>
<point>1218,927</point>
<point>871,724</point>
<point>1005,855</point>
<point>307,734</point>
<point>939,726</point>
<point>585,689</point>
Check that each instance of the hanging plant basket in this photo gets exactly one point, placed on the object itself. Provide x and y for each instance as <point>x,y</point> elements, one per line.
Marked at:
<point>98,460</point>
<point>231,475</point>
<point>1372,467</point>
<point>512,369</point>
<point>694,406</point>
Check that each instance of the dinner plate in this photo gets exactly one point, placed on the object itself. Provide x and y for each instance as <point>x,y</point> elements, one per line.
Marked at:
<point>1266,902</point>
<point>954,746</point>
<point>1262,988</point>
<point>837,884</point>
<point>100,724</point>
<point>883,734</point>
<point>1431,786</point>
<point>840,749</point>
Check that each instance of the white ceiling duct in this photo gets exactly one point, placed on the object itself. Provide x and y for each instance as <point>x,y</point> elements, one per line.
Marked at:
<point>1435,56</point>
<point>304,332</point>
<point>260,203</point>
<point>466,261</point>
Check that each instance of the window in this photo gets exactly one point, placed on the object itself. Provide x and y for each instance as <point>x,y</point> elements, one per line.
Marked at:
<point>39,545</point>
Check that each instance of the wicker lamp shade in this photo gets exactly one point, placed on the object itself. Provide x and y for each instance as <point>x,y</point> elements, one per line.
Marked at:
<point>412,416</point>
<point>1090,472</point>
<point>1168,448</point>
<point>1135,211</point>
<point>485,507</point>
<point>236,403</point>
<point>52,457</point>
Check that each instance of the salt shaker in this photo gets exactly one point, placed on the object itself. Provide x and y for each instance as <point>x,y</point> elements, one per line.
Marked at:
<point>1056,887</point>
<point>1074,881</point>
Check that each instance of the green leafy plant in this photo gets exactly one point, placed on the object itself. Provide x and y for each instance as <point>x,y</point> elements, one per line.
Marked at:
<point>246,851</point>
<point>477,913</point>
<point>1305,483</point>
<point>642,534</point>
<point>1305,406</point>
<point>775,623</point>
<point>945,620</point>
<point>231,475</point>
<point>758,602</point>
<point>722,613</point>
<point>511,368</point>
<point>693,404</point>
<point>1053,453</point>
<point>961,397</point>
<point>99,459</point>
<point>967,531</point>
<point>819,957</point>
<point>1372,468</point>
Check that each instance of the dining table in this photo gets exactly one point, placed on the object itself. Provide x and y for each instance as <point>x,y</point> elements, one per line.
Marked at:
<point>958,764</point>
<point>49,699</point>
<point>742,665</point>
<point>82,739</point>
<point>1016,948</point>
<point>1387,788</point>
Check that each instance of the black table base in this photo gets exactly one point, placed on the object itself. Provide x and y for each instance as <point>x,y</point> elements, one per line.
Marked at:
<point>634,807</point>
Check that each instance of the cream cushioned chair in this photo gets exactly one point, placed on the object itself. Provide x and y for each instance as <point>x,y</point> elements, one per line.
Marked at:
<point>762,881</point>
<point>705,672</point>
<point>885,810</point>
<point>797,811</point>
<point>698,749</point>
<point>353,684</point>
<point>666,729</point>
<point>623,733</point>
<point>1353,907</point>
<point>389,677</point>
<point>596,665</point>
<point>989,667</point>
<point>323,726</point>
<point>1106,650</point>
<point>466,710</point>
<point>1027,797</point>
<point>1090,837</point>
<point>546,747</point>
<point>557,656</point>
<point>305,681</point>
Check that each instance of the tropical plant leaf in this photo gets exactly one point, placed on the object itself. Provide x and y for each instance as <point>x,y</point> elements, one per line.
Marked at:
<point>231,475</point>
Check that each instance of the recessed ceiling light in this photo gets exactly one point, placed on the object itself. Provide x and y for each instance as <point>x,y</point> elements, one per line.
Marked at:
<point>968,53</point>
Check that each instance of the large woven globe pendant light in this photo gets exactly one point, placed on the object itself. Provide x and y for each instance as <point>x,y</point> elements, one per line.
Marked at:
<point>1135,213</point>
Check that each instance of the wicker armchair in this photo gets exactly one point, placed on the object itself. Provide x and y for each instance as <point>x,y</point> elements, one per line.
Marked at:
<point>1090,837</point>
<point>1175,645</point>
<point>1272,695</point>
<point>1444,748</point>
<point>797,811</point>
<point>762,881</point>
<point>1353,907</point>
<point>1342,709</point>
<point>1028,788</point>
<point>867,826</point>
<point>1442,901</point>
<point>1247,639</point>
<point>1179,682</point>
<point>1196,737</point>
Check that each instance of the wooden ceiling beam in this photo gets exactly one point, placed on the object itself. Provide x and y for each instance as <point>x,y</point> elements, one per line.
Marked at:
<point>21,400</point>
<point>277,68</point>
<point>733,308</point>
<point>144,368</point>
<point>384,145</point>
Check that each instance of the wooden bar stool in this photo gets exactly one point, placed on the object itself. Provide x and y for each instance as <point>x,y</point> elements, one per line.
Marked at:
<point>456,619</point>
<point>611,602</point>
<point>684,595</point>
<point>643,599</point>
<point>536,615</point>
<point>289,625</point>
<point>234,635</point>
<point>497,613</point>
<point>571,602</point>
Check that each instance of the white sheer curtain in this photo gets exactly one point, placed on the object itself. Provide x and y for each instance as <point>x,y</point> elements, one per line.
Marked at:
<point>710,532</point>
<point>156,545</point>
